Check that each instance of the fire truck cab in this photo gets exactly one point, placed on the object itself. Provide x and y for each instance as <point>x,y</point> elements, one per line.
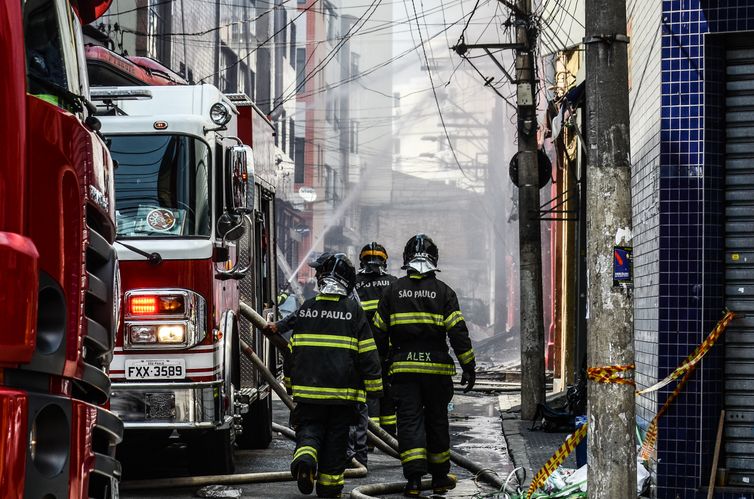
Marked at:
<point>186,195</point>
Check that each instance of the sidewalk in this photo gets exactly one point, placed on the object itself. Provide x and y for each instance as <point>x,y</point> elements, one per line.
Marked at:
<point>528,449</point>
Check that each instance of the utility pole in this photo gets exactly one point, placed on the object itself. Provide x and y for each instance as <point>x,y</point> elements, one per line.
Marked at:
<point>529,235</point>
<point>611,437</point>
<point>532,329</point>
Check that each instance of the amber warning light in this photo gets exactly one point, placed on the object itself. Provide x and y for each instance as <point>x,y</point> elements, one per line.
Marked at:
<point>156,304</point>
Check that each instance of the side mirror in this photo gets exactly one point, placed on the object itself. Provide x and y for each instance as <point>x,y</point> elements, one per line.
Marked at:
<point>231,227</point>
<point>240,180</point>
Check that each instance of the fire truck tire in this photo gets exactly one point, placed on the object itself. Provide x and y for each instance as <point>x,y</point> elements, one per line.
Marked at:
<point>257,425</point>
<point>211,453</point>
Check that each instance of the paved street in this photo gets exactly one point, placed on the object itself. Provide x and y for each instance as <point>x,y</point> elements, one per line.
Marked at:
<point>475,428</point>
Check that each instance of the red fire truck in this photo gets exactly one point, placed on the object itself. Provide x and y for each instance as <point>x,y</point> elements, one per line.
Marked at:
<point>193,206</point>
<point>58,269</point>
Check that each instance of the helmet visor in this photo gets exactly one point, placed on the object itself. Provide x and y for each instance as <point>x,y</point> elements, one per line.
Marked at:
<point>331,286</point>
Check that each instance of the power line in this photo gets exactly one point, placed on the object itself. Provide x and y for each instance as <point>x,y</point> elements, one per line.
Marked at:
<point>434,94</point>
<point>364,18</point>
<point>241,59</point>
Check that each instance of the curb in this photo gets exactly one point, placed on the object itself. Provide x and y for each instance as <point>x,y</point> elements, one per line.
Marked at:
<point>516,445</point>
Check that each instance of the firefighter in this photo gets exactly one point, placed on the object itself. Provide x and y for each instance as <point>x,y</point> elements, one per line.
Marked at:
<point>420,313</point>
<point>333,366</point>
<point>371,281</point>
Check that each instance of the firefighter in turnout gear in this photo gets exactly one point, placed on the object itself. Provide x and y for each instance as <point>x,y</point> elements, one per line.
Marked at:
<point>333,366</point>
<point>419,314</point>
<point>371,282</point>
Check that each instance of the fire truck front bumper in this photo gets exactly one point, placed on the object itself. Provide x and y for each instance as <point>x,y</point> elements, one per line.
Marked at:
<point>170,405</point>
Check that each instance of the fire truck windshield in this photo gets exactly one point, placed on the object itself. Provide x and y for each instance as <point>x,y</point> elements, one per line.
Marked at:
<point>161,185</point>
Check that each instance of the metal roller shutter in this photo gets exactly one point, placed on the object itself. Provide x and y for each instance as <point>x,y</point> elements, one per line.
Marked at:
<point>739,265</point>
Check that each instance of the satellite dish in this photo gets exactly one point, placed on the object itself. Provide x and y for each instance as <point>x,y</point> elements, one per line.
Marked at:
<point>308,194</point>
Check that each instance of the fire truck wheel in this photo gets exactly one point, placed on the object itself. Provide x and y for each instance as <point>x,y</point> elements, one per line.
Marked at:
<point>211,453</point>
<point>257,425</point>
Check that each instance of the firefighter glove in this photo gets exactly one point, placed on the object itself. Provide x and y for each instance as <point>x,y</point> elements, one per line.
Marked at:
<point>468,378</point>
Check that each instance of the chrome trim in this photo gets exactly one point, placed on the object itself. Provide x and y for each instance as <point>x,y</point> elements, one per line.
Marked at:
<point>165,386</point>
<point>194,405</point>
<point>194,318</point>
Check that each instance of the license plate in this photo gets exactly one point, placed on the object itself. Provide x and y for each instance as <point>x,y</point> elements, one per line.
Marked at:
<point>155,369</point>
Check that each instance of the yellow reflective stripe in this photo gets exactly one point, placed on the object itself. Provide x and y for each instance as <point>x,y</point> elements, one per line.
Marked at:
<point>287,381</point>
<point>373,385</point>
<point>378,322</point>
<point>416,318</point>
<point>412,454</point>
<point>405,366</point>
<point>330,480</point>
<point>416,276</point>
<point>466,357</point>
<point>367,345</point>
<point>368,305</point>
<point>321,393</point>
<point>375,419</point>
<point>378,253</point>
<point>327,298</point>
<point>439,457</point>
<point>453,319</point>
<point>324,340</point>
<point>305,450</point>
<point>389,420</point>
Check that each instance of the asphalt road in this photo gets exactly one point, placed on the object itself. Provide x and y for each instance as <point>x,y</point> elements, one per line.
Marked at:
<point>475,432</point>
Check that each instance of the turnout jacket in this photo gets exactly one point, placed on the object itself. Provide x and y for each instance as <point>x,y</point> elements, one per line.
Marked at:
<point>333,357</point>
<point>419,314</point>
<point>370,288</point>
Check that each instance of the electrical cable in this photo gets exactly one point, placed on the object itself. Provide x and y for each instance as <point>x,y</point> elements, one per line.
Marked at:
<point>437,101</point>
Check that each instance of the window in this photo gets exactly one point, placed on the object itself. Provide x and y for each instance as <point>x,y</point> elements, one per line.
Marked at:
<point>300,68</point>
<point>162,185</point>
<point>354,64</point>
<point>283,133</point>
<point>298,160</point>
<point>45,60</point>
<point>292,56</point>
<point>331,19</point>
<point>159,14</point>
<point>291,138</point>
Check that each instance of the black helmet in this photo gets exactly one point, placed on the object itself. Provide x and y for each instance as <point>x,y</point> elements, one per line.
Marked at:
<point>335,274</point>
<point>420,254</point>
<point>373,254</point>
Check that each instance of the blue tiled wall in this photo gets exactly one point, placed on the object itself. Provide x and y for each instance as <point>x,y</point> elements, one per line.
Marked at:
<point>691,232</point>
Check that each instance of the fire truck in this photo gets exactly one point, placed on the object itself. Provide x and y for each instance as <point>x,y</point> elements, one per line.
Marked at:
<point>58,268</point>
<point>194,206</point>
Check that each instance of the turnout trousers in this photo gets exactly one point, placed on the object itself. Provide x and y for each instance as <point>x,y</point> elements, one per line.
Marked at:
<point>421,402</point>
<point>321,441</point>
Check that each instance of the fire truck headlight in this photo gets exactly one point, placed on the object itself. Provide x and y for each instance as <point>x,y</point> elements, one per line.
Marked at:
<point>219,113</point>
<point>171,333</point>
<point>143,334</point>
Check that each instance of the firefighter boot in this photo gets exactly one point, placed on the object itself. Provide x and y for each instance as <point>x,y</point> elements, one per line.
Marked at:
<point>305,475</point>
<point>443,483</point>
<point>413,486</point>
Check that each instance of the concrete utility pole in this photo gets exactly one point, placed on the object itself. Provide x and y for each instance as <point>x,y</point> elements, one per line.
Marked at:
<point>530,238</point>
<point>611,446</point>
